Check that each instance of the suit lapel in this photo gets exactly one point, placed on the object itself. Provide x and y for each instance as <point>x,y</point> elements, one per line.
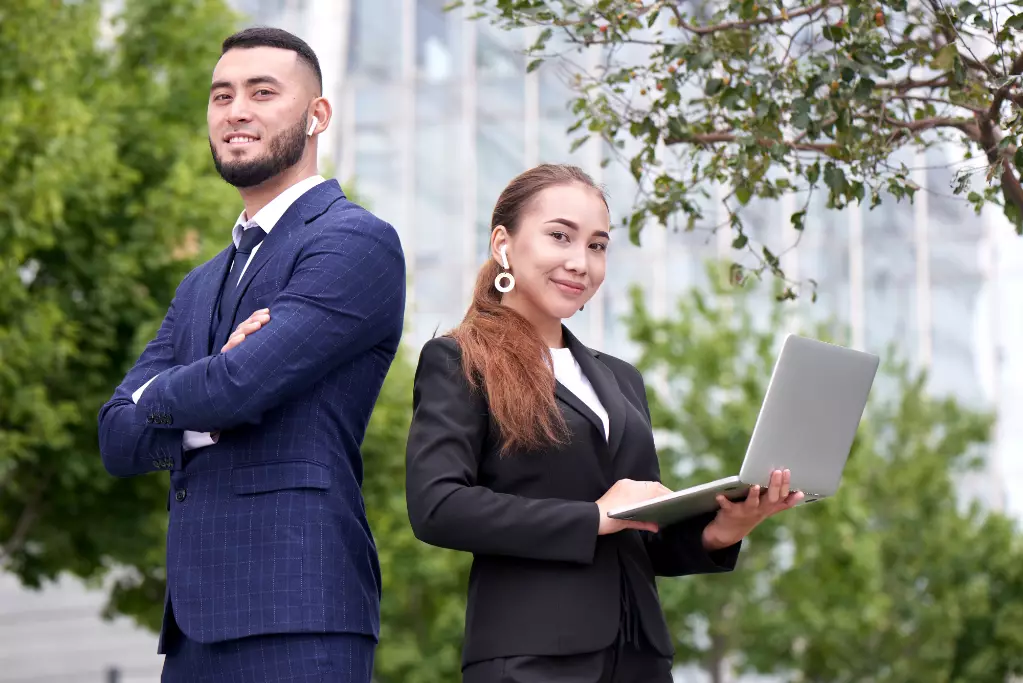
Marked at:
<point>304,210</point>
<point>206,299</point>
<point>605,386</point>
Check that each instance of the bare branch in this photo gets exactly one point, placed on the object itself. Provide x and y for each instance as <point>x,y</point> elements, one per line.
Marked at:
<point>938,100</point>
<point>708,139</point>
<point>904,85</point>
<point>780,18</point>
<point>996,103</point>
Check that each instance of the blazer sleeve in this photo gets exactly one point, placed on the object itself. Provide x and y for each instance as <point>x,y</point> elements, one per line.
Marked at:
<point>446,505</point>
<point>677,549</point>
<point>127,445</point>
<point>345,295</point>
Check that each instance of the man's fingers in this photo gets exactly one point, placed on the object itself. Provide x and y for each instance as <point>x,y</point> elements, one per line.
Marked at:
<point>233,341</point>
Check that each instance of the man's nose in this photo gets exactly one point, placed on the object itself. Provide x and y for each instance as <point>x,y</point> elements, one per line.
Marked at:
<point>239,111</point>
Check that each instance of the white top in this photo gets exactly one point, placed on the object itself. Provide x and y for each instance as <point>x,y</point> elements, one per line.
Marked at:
<point>568,372</point>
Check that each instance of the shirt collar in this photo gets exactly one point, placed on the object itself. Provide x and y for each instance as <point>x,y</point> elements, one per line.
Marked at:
<point>269,215</point>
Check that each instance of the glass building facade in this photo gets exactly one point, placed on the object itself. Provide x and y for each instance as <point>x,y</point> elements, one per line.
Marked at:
<point>434,114</point>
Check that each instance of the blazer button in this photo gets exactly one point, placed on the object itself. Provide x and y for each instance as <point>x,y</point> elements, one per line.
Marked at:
<point>180,495</point>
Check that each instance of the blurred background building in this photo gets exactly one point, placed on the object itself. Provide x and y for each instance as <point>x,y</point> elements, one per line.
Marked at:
<point>434,114</point>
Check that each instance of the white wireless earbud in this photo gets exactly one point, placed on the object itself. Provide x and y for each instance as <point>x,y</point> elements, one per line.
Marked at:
<point>312,125</point>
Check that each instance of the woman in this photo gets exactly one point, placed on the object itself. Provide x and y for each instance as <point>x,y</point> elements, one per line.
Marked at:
<point>522,439</point>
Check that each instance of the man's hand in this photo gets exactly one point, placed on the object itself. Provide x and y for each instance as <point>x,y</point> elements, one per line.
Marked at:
<point>734,521</point>
<point>254,322</point>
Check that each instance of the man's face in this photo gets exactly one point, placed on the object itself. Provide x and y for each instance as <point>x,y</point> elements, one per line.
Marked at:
<point>258,113</point>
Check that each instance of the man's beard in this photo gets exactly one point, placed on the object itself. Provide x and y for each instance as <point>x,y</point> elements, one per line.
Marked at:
<point>285,150</point>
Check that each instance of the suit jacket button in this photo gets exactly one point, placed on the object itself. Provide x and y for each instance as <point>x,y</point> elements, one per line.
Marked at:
<point>180,495</point>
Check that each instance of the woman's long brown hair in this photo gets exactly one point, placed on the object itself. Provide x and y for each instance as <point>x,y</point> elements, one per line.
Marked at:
<point>503,355</point>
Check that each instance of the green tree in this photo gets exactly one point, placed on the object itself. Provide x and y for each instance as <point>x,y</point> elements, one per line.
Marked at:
<point>767,98</point>
<point>895,579</point>
<point>424,588</point>
<point>107,197</point>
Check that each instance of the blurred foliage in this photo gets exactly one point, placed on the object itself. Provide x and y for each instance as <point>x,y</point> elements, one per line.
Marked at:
<point>423,608</point>
<point>893,580</point>
<point>108,196</point>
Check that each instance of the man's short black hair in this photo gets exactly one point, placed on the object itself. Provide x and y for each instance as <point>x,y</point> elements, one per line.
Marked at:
<point>265,36</point>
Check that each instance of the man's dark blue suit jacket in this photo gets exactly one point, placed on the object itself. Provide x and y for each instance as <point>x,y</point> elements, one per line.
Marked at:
<point>268,530</point>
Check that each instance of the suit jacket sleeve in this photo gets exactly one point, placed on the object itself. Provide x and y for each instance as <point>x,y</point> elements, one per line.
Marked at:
<point>677,549</point>
<point>345,296</point>
<point>447,507</point>
<point>127,445</point>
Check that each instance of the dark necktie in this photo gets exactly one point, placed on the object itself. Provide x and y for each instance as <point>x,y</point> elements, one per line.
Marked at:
<point>251,237</point>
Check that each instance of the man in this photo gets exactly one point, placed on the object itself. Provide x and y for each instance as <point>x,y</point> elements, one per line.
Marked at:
<point>272,573</point>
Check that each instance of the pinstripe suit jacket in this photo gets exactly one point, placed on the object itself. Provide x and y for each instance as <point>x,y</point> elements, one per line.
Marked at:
<point>268,532</point>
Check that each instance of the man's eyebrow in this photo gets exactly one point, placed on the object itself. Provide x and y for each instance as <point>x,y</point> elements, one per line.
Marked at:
<point>254,80</point>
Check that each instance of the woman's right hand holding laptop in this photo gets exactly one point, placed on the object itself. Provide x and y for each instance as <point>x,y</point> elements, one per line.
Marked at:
<point>623,493</point>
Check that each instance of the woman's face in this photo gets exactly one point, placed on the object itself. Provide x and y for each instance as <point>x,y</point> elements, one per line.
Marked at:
<point>558,254</point>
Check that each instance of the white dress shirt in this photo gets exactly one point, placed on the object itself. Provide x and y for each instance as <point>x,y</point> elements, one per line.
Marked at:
<point>568,372</point>
<point>266,218</point>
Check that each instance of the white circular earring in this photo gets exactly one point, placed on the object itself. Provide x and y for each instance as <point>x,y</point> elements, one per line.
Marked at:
<point>504,282</point>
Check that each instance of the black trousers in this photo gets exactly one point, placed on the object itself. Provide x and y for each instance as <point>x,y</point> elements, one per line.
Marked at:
<point>620,663</point>
<point>630,659</point>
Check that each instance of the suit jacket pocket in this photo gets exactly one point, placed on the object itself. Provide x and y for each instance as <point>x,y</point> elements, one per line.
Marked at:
<point>276,476</point>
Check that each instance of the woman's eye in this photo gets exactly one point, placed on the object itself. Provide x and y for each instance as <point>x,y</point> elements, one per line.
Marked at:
<point>559,236</point>
<point>598,246</point>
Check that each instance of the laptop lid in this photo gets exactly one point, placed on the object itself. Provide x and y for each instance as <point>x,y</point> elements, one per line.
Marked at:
<point>811,411</point>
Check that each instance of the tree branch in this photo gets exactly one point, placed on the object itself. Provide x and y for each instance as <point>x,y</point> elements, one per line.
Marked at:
<point>20,534</point>
<point>996,103</point>
<point>708,139</point>
<point>910,84</point>
<point>938,100</point>
<point>751,23</point>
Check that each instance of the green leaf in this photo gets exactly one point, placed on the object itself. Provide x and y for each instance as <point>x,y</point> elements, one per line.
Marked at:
<point>946,55</point>
<point>1015,22</point>
<point>740,241</point>
<point>713,87</point>
<point>742,193</point>
<point>797,220</point>
<point>533,65</point>
<point>813,172</point>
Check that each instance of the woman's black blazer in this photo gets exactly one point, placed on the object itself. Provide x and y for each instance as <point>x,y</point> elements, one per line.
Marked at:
<point>542,581</point>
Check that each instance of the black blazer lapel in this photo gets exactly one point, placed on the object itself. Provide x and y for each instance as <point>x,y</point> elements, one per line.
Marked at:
<point>562,392</point>
<point>606,387</point>
<point>310,206</point>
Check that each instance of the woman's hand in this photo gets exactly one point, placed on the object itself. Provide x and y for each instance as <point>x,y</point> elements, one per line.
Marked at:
<point>627,492</point>
<point>249,326</point>
<point>734,521</point>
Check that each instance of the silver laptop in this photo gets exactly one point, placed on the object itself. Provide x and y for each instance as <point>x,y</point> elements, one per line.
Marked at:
<point>807,424</point>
